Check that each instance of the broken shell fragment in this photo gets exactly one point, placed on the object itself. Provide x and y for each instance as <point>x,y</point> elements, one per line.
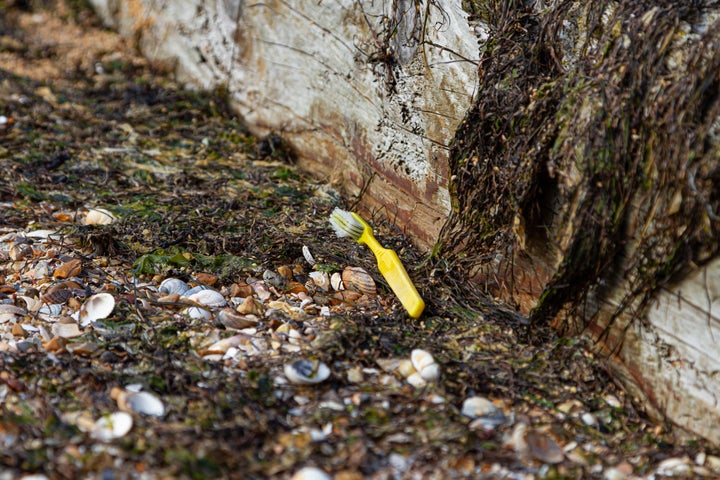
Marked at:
<point>197,313</point>
<point>97,307</point>
<point>173,285</point>
<point>66,330</point>
<point>358,279</point>
<point>99,216</point>
<point>336,281</point>
<point>112,426</point>
<point>308,256</point>
<point>229,318</point>
<point>321,280</point>
<point>306,372</point>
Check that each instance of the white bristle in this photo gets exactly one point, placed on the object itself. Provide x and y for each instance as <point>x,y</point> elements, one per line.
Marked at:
<point>345,225</point>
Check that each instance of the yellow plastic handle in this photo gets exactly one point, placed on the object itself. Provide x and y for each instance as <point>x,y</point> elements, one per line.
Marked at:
<point>394,272</point>
<point>397,277</point>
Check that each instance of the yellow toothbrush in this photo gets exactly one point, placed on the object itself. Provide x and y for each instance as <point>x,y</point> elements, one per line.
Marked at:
<point>350,224</point>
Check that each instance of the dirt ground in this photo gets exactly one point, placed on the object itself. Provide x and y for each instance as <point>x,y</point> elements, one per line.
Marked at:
<point>87,124</point>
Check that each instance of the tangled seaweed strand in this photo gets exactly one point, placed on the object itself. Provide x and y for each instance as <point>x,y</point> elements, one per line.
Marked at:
<point>598,125</point>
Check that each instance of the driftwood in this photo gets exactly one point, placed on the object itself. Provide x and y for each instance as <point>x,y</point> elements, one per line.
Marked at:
<point>566,156</point>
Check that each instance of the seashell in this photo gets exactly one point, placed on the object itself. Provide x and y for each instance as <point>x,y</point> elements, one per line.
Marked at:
<point>173,285</point>
<point>474,407</point>
<point>229,318</point>
<point>111,426</point>
<point>99,216</point>
<point>321,280</point>
<point>12,310</point>
<point>310,473</point>
<point>358,279</point>
<point>66,330</point>
<point>543,447</point>
<point>208,298</point>
<point>425,364</point>
<point>97,307</point>
<point>198,313</point>
<point>194,290</point>
<point>306,372</point>
<point>20,251</point>
<point>308,256</point>
<point>57,294</point>
<point>71,268</point>
<point>225,344</point>
<point>336,281</point>
<point>250,307</point>
<point>416,380</point>
<point>261,290</point>
<point>33,305</point>
<point>145,403</point>
<point>406,368</point>
<point>52,309</point>
<point>345,296</point>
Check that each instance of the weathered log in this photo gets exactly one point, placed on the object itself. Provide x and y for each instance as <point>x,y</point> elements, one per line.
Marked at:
<point>581,185</point>
<point>368,93</point>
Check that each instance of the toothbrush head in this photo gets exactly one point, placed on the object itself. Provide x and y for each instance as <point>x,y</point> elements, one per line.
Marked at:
<point>347,224</point>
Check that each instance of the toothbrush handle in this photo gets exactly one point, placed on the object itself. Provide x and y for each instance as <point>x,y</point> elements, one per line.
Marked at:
<point>397,277</point>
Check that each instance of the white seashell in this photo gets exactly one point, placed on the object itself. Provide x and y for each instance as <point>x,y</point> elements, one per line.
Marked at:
<point>358,279</point>
<point>421,359</point>
<point>112,426</point>
<point>173,285</point>
<point>406,368</point>
<point>416,380</point>
<point>310,473</point>
<point>145,403</point>
<point>431,372</point>
<point>474,407</point>
<point>336,281</point>
<point>308,256</point>
<point>321,279</point>
<point>306,372</point>
<point>33,305</point>
<point>66,330</point>
<point>7,317</point>
<point>208,298</point>
<point>96,307</point>
<point>99,216</point>
<point>194,290</point>
<point>198,313</point>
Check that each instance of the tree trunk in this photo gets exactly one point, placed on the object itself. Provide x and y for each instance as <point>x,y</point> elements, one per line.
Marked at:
<point>572,160</point>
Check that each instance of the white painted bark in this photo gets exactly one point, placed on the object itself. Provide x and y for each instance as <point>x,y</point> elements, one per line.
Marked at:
<point>375,115</point>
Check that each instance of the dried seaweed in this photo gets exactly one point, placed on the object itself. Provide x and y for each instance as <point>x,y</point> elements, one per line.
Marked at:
<point>596,131</point>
